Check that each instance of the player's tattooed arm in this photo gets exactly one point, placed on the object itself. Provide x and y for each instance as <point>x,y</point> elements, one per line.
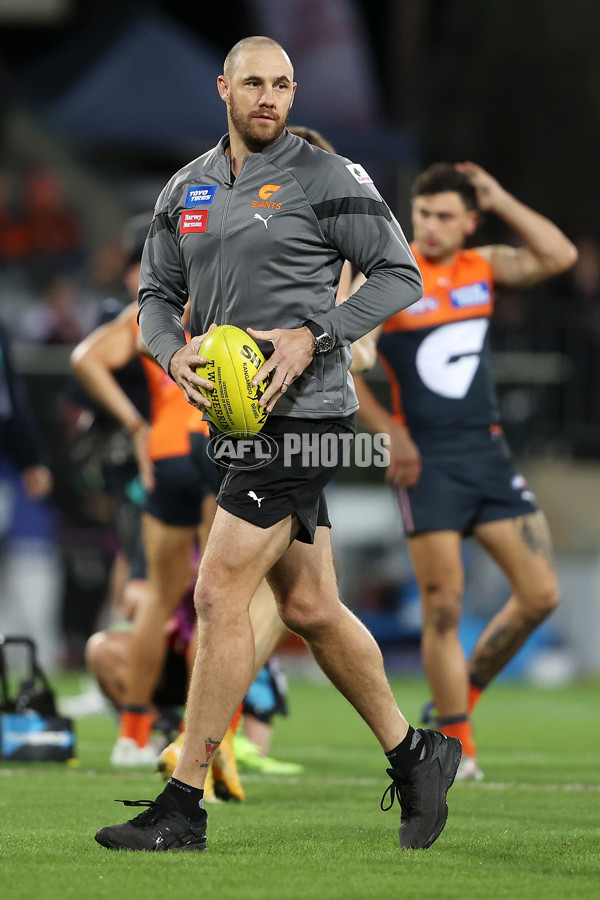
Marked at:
<point>536,535</point>
<point>210,747</point>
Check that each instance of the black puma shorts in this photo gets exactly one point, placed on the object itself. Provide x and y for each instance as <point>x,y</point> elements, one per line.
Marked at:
<point>283,470</point>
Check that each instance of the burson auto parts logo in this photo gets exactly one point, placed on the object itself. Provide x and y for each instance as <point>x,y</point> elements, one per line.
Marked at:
<point>238,450</point>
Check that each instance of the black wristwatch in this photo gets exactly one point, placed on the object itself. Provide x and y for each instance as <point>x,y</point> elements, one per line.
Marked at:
<point>323,341</point>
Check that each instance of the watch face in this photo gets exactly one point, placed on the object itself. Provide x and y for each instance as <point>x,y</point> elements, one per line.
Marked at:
<point>323,343</point>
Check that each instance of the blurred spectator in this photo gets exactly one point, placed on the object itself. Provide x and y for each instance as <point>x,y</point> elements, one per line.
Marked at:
<point>37,226</point>
<point>29,572</point>
<point>57,317</point>
<point>104,271</point>
<point>13,233</point>
<point>20,440</point>
<point>53,229</point>
<point>101,494</point>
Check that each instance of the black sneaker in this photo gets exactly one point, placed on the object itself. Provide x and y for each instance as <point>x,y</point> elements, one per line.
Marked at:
<point>422,791</point>
<point>160,827</point>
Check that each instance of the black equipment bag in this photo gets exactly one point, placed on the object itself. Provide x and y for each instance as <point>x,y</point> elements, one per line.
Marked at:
<point>31,730</point>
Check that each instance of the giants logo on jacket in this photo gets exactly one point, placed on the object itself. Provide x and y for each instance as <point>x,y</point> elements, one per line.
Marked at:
<point>267,191</point>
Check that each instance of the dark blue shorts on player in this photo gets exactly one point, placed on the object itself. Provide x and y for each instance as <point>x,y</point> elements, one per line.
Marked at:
<point>181,484</point>
<point>461,487</point>
<point>291,483</point>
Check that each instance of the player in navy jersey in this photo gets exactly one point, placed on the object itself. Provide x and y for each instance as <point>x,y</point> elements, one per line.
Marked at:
<point>450,463</point>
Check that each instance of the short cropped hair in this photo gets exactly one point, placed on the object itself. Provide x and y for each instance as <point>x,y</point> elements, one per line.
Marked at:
<point>245,43</point>
<point>441,177</point>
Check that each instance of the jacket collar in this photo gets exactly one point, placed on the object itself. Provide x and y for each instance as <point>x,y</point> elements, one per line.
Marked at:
<point>269,154</point>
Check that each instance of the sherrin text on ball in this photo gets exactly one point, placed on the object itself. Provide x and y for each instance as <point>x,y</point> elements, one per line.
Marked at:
<point>232,360</point>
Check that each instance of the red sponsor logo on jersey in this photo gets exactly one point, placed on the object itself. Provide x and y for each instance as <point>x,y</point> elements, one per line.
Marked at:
<point>193,221</point>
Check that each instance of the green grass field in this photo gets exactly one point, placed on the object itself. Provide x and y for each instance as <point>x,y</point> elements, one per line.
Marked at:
<point>530,830</point>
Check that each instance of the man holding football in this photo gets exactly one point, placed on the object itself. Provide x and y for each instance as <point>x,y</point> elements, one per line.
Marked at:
<point>277,280</point>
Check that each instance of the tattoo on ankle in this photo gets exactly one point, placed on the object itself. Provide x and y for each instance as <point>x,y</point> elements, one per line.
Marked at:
<point>211,746</point>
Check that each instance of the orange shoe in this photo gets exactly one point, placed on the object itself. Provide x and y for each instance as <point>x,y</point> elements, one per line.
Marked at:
<point>228,785</point>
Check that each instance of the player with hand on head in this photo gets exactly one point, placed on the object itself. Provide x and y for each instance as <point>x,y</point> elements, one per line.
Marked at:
<point>279,282</point>
<point>449,459</point>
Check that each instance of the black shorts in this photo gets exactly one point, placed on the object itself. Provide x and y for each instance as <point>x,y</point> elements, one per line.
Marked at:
<point>180,487</point>
<point>458,490</point>
<point>208,472</point>
<point>171,690</point>
<point>283,471</point>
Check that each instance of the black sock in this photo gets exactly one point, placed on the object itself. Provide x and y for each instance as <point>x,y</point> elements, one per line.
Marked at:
<point>137,708</point>
<point>443,721</point>
<point>407,753</point>
<point>189,800</point>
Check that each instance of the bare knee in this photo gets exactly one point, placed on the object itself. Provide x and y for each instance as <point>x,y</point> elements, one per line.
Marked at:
<point>214,604</point>
<point>541,600</point>
<point>106,655</point>
<point>303,617</point>
<point>207,602</point>
<point>97,652</point>
<point>441,607</point>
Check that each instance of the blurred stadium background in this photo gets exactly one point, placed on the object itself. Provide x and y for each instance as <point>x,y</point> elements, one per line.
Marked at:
<point>100,101</point>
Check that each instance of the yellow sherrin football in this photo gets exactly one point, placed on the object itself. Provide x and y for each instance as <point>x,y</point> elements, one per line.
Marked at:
<point>232,361</point>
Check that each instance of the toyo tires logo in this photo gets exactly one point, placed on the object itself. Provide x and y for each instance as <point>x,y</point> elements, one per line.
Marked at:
<point>240,450</point>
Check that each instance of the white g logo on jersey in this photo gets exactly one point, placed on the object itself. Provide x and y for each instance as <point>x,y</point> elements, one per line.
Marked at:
<point>448,358</point>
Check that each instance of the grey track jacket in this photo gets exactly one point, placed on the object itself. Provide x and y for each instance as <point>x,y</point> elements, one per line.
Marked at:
<point>265,250</point>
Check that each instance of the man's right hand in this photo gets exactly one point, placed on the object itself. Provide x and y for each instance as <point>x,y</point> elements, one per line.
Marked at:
<point>182,367</point>
<point>404,469</point>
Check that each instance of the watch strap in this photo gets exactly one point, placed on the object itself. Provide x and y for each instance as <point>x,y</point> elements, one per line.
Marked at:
<point>317,330</point>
